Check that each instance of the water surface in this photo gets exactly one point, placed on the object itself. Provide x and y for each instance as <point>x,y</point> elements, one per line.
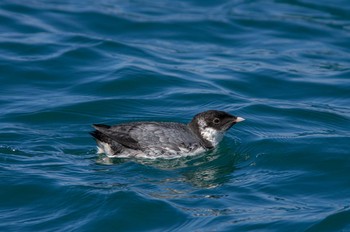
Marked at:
<point>282,65</point>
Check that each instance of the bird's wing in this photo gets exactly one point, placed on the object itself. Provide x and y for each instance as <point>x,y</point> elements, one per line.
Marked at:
<point>170,135</point>
<point>120,134</point>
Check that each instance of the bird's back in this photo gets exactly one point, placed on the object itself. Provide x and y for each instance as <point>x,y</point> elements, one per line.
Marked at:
<point>153,138</point>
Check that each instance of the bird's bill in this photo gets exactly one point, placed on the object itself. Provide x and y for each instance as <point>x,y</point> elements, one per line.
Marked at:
<point>239,119</point>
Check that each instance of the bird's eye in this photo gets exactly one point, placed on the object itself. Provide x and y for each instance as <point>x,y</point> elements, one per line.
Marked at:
<point>216,121</point>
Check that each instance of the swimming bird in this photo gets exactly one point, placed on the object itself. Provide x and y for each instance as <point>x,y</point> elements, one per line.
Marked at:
<point>164,139</point>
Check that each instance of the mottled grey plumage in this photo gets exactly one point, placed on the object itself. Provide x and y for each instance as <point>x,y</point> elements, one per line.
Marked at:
<point>163,139</point>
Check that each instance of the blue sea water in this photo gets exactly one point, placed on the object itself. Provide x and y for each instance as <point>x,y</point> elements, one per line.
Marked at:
<point>284,65</point>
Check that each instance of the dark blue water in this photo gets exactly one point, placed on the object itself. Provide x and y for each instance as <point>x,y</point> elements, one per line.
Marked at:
<point>282,65</point>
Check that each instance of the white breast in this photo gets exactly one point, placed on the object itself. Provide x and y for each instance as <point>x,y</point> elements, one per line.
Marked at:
<point>212,135</point>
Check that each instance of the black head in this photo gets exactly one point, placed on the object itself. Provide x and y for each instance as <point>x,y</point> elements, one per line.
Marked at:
<point>210,126</point>
<point>218,120</point>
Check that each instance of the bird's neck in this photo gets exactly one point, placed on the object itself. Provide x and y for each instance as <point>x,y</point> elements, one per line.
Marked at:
<point>197,129</point>
<point>211,135</point>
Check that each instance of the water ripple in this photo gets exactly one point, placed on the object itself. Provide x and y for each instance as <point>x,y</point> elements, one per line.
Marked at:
<point>282,65</point>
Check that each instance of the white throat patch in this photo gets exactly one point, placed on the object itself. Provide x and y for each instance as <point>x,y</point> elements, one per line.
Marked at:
<point>210,134</point>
